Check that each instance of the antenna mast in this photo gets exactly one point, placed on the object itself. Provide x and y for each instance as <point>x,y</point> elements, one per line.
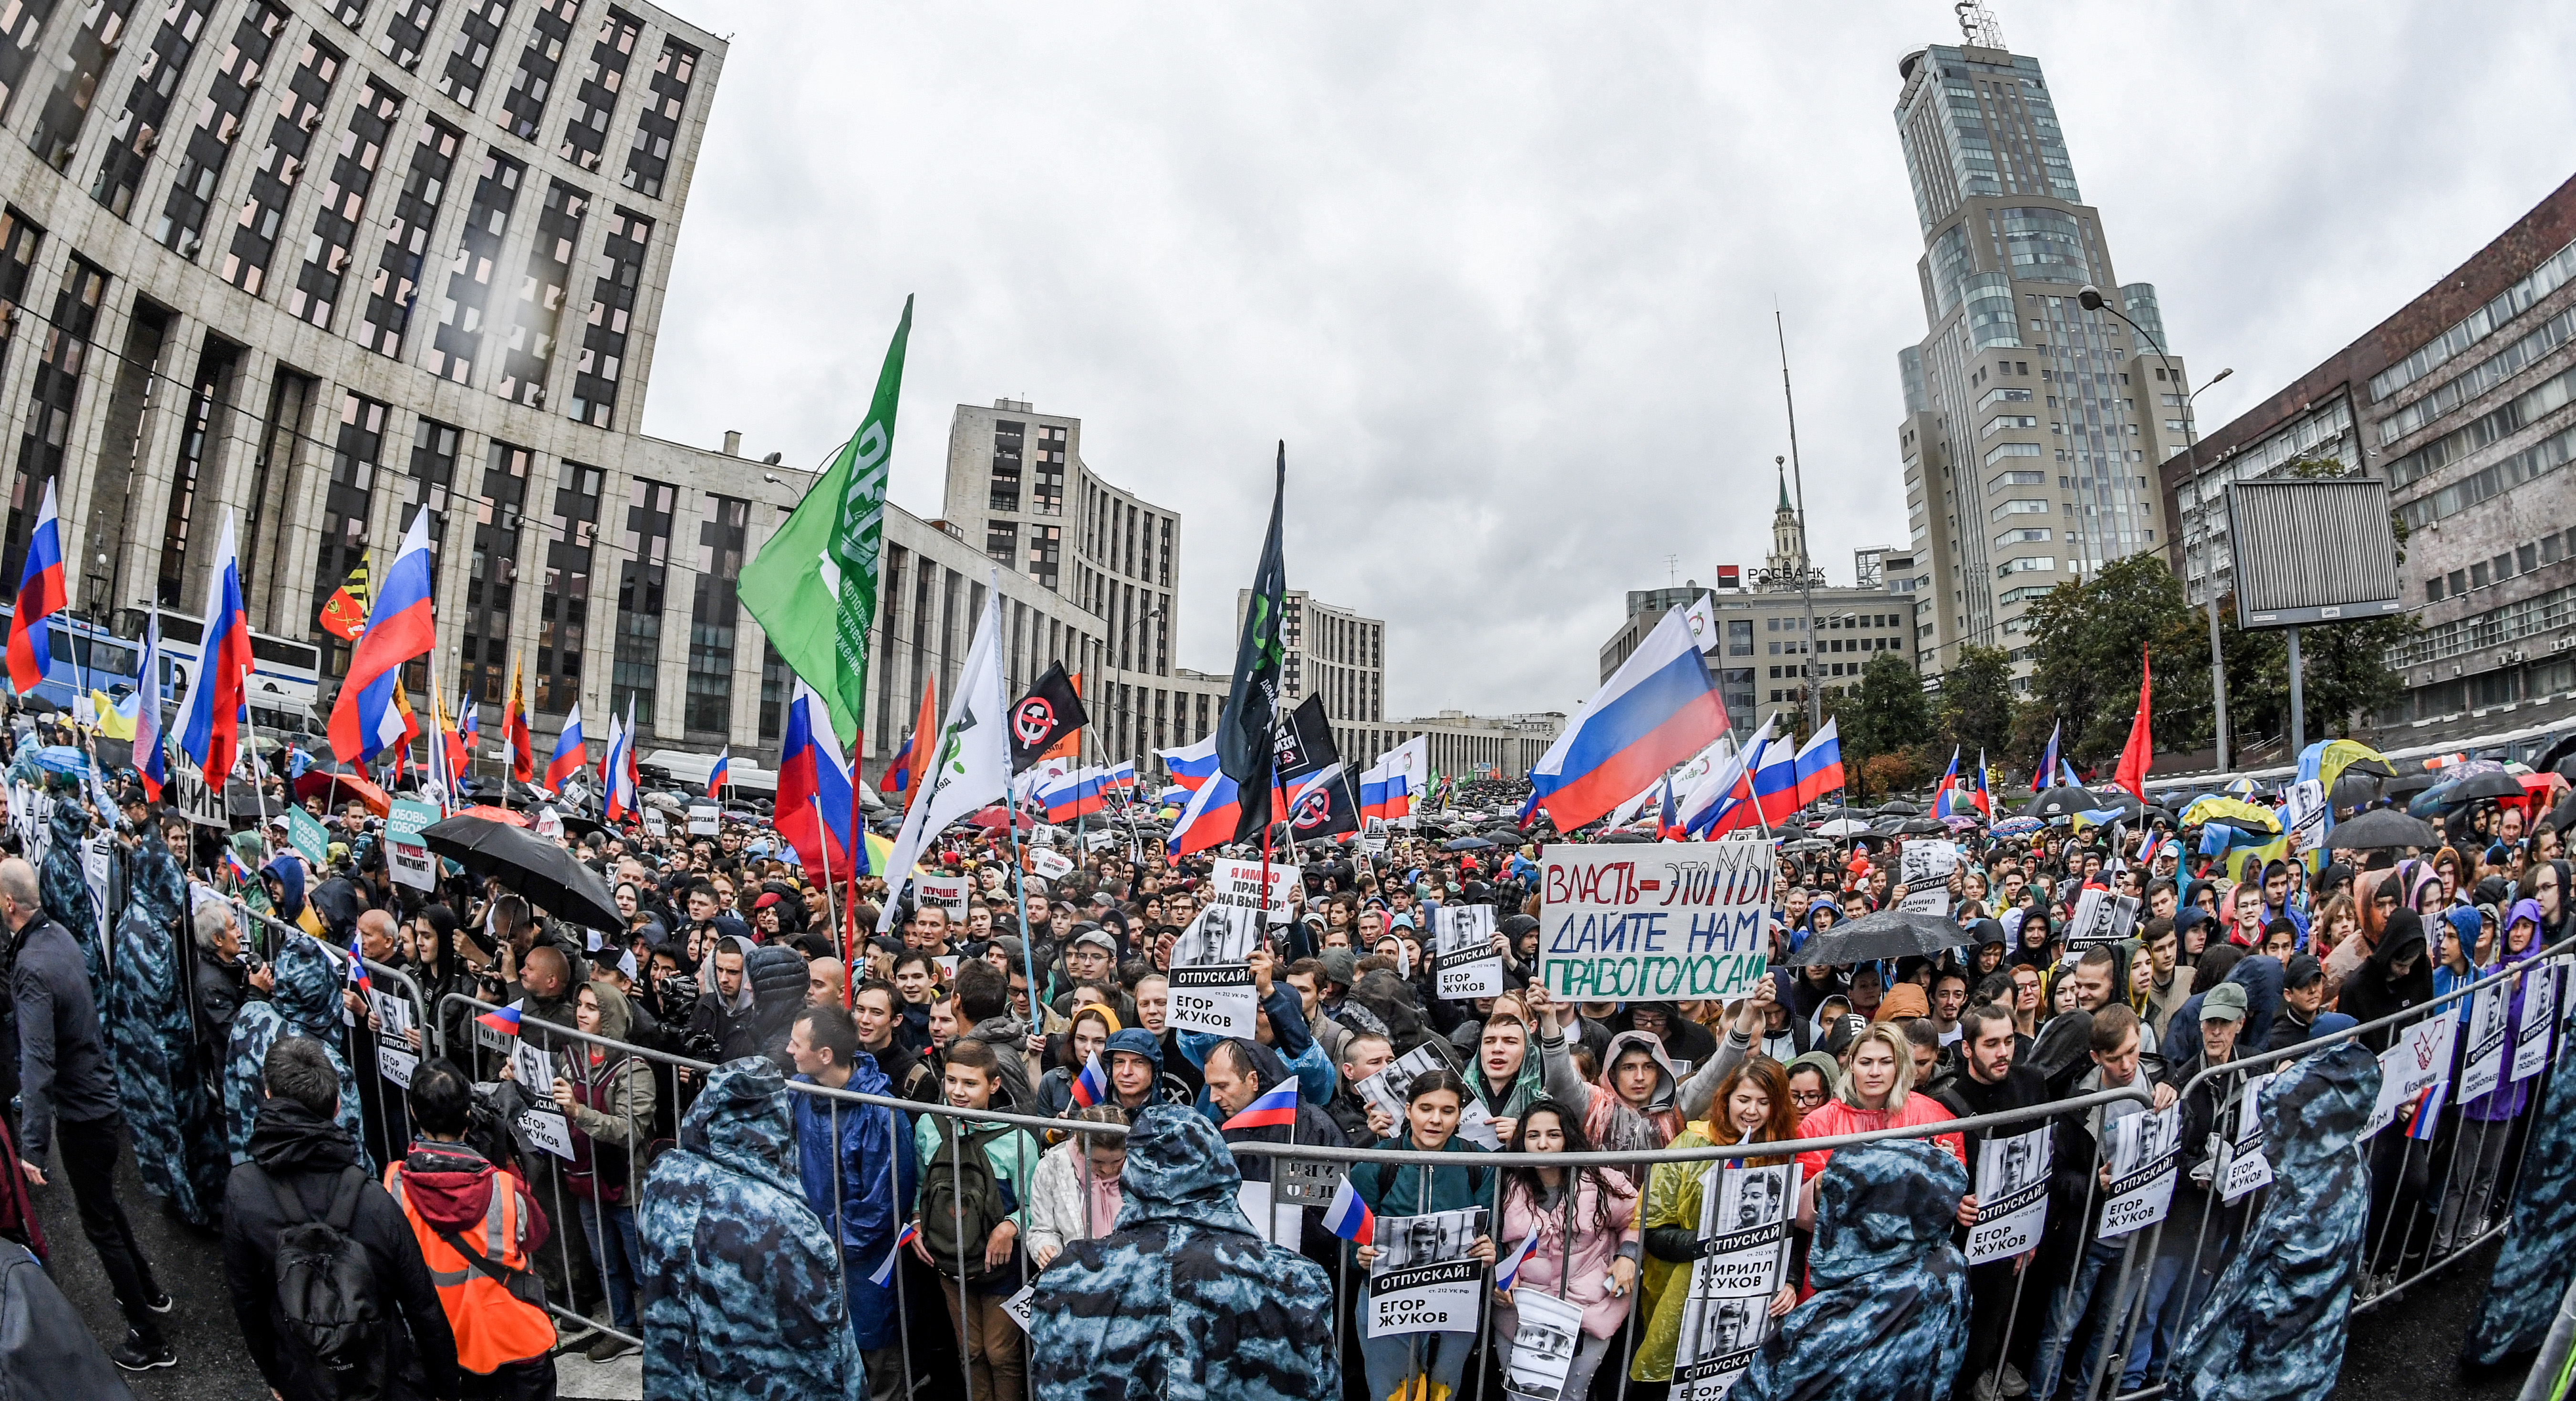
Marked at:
<point>1978,26</point>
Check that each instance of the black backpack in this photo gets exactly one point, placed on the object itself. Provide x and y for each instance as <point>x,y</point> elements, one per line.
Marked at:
<point>326,1289</point>
<point>962,1201</point>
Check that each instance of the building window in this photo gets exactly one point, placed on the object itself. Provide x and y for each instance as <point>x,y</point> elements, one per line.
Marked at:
<point>357,455</point>
<point>93,47</point>
<point>147,105</point>
<point>55,393</point>
<point>587,124</point>
<point>563,612</point>
<point>492,584</point>
<point>1002,543</point>
<point>290,138</point>
<point>531,347</point>
<point>1009,440</point>
<point>476,34</point>
<point>220,114</point>
<point>211,393</point>
<point>1047,497</point>
<point>713,612</point>
<point>335,220</point>
<point>525,103</point>
<point>468,299</point>
<point>612,307</point>
<point>396,289</point>
<point>649,162</point>
<point>1046,548</point>
<point>18,44</point>
<point>641,579</point>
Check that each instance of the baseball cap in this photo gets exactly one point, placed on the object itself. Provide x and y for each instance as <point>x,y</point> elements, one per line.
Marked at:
<point>2223,1003</point>
<point>1099,936</point>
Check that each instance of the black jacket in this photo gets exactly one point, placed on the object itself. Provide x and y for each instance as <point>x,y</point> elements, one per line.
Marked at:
<point>306,1152</point>
<point>222,987</point>
<point>62,1056</point>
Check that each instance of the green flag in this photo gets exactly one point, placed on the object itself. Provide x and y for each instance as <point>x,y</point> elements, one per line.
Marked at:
<point>814,585</point>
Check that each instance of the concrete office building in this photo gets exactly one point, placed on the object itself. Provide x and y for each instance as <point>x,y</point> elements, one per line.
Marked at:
<point>2464,401</point>
<point>2032,428</point>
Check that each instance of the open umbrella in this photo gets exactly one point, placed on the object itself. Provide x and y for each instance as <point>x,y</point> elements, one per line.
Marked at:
<point>1899,808</point>
<point>1842,827</point>
<point>2491,783</point>
<point>338,785</point>
<point>490,813</point>
<point>2061,801</point>
<point>2355,788</point>
<point>1466,844</point>
<point>528,864</point>
<point>1889,933</point>
<point>2244,788</point>
<point>1623,838</point>
<point>2017,826</point>
<point>2381,828</point>
<point>1923,827</point>
<point>2560,816</point>
<point>997,816</point>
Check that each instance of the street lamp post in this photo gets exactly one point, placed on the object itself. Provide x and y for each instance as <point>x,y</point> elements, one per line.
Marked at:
<point>2090,298</point>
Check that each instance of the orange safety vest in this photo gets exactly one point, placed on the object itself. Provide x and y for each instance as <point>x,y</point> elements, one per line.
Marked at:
<point>492,1326</point>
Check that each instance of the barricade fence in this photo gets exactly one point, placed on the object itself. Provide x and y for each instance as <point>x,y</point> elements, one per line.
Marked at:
<point>2107,1327</point>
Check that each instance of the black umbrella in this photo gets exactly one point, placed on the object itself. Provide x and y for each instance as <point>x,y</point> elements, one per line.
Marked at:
<point>2407,783</point>
<point>1889,933</point>
<point>1922,827</point>
<point>2561,816</point>
<point>1466,844</point>
<point>2557,753</point>
<point>2355,788</point>
<point>2494,783</point>
<point>2381,827</point>
<point>1623,838</point>
<point>1899,808</point>
<point>548,875</point>
<point>2061,801</point>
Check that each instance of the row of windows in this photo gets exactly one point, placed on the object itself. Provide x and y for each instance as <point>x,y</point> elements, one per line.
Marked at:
<point>2521,559</point>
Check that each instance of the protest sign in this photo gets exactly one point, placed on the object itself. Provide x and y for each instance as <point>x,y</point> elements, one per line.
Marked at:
<point>1925,861</point>
<point>304,832</point>
<point>1423,1280</point>
<point>702,821</point>
<point>1211,974</point>
<point>548,1129</point>
<point>2540,990</point>
<point>1674,920</point>
<point>2242,1165</point>
<point>1049,864</point>
<point>534,1068</point>
<point>1544,1337</point>
<point>2488,1025</point>
<point>1386,1088</point>
<point>655,824</point>
<point>396,1063</point>
<point>2420,1059</point>
<point>2100,918</point>
<point>2145,1147</point>
<point>1468,966</point>
<point>1931,900</point>
<point>2012,1196</point>
<point>1280,1223</point>
<point>944,892</point>
<point>1019,1306</point>
<point>407,858</point>
<point>1240,883</point>
<point>1744,1247</point>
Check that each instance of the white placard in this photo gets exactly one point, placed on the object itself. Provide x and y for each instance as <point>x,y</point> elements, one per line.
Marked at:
<point>534,1068</point>
<point>411,865</point>
<point>2100,918</point>
<point>1477,1127</point>
<point>1018,1305</point>
<point>1233,882</point>
<point>2145,1147</point>
<point>548,1129</point>
<point>2420,1059</point>
<point>703,822</point>
<point>2484,1069</point>
<point>2012,1196</point>
<point>2303,811</point>
<point>1744,1246</point>
<point>1424,1280</point>
<point>1210,982</point>
<point>1049,865</point>
<point>1280,1223</point>
<point>1926,860</point>
<point>941,892</point>
<point>655,824</point>
<point>1544,1337</point>
<point>2243,1164</point>
<point>1672,920</point>
<point>2540,988</point>
<point>1933,900</point>
<point>1468,966</point>
<point>396,1063</point>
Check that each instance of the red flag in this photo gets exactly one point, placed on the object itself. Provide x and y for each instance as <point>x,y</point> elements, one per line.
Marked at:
<point>2140,753</point>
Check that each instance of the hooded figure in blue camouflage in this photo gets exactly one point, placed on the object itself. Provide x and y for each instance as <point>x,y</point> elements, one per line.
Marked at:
<point>64,886</point>
<point>2531,1276</point>
<point>178,1137</point>
<point>1890,1312</point>
<point>1182,1300</point>
<point>741,1286</point>
<point>2274,1326</point>
<point>305,1002</point>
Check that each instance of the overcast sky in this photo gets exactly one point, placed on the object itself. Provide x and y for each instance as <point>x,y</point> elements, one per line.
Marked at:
<point>1502,275</point>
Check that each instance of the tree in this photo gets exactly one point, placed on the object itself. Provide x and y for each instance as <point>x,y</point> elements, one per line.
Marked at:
<point>1882,774</point>
<point>2088,640</point>
<point>1886,713</point>
<point>1977,700</point>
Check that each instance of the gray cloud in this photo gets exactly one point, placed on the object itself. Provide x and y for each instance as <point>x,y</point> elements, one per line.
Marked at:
<point>1502,275</point>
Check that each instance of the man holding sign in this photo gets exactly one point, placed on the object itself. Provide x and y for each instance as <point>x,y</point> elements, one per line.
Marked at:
<point>2011,1199</point>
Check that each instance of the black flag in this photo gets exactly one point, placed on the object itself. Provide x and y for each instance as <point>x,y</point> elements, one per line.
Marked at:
<point>1245,749</point>
<point>1051,710</point>
<point>1305,744</point>
<point>1320,805</point>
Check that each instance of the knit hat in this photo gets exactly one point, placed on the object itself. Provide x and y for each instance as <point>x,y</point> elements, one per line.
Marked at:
<point>1903,1000</point>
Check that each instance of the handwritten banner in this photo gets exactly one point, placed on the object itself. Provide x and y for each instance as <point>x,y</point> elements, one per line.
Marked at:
<point>1669,921</point>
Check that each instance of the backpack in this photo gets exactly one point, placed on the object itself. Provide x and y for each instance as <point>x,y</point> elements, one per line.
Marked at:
<point>326,1289</point>
<point>962,1199</point>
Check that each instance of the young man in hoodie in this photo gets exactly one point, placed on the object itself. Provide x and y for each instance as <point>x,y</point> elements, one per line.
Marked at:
<point>1988,1081</point>
<point>856,1164</point>
<point>298,1153</point>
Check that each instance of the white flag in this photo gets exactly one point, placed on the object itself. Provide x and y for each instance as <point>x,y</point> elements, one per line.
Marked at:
<point>971,765</point>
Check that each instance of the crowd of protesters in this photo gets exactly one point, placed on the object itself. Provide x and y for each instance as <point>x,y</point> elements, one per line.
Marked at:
<point>741,1200</point>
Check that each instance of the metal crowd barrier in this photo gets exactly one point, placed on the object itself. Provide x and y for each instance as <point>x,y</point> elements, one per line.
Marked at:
<point>2121,1295</point>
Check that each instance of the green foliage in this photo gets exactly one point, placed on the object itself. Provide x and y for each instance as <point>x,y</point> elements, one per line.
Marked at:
<point>1977,703</point>
<point>1886,713</point>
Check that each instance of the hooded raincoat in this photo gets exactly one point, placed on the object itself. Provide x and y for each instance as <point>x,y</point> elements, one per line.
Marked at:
<point>843,1153</point>
<point>178,1128</point>
<point>1182,1301</point>
<point>305,1002</point>
<point>2531,1275</point>
<point>741,1286</point>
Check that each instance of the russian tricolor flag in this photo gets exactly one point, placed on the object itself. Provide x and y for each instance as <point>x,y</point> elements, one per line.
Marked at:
<point>358,966</point>
<point>1349,1217</point>
<point>1658,709</point>
<point>883,1276</point>
<point>149,762</point>
<point>210,719</point>
<point>1985,801</point>
<point>365,721</point>
<point>570,753</point>
<point>2039,777</point>
<point>1091,1086</point>
<point>1121,777</point>
<point>618,772</point>
<point>1820,766</point>
<point>1209,819</point>
<point>1942,796</point>
<point>1508,1273</point>
<point>504,1020</point>
<point>1077,794</point>
<point>723,770</point>
<point>1726,784</point>
<point>1276,1107</point>
<point>1374,783</point>
<point>814,794</point>
<point>40,596</point>
<point>1191,765</point>
<point>1766,794</point>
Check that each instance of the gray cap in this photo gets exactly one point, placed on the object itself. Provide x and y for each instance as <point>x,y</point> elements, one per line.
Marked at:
<point>2223,1003</point>
<point>1094,934</point>
<point>1341,966</point>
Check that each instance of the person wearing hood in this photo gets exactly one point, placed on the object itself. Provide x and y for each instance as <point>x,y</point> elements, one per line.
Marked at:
<point>857,1166</point>
<point>1752,1105</point>
<point>2397,975</point>
<point>2275,1325</point>
<point>304,1000</point>
<point>174,1122</point>
<point>2069,1252</point>
<point>1987,1080</point>
<point>302,1167</point>
<point>1888,1319</point>
<point>608,1095</point>
<point>2260,975</point>
<point>2486,1122</point>
<point>450,1193</point>
<point>1237,1071</point>
<point>1431,1107</point>
<point>742,1287</point>
<point>284,879</point>
<point>751,991</point>
<point>1182,1299</point>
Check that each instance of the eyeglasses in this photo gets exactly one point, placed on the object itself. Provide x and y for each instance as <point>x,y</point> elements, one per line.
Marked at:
<point>1807,1097</point>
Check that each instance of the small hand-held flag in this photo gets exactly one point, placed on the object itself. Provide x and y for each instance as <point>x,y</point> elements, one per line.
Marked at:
<point>358,967</point>
<point>1349,1217</point>
<point>1091,1086</point>
<point>1276,1106</point>
<point>504,1020</point>
<point>883,1276</point>
<point>1508,1272</point>
<point>717,775</point>
<point>40,596</point>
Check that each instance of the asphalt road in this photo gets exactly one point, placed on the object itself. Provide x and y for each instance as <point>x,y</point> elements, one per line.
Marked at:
<point>2404,1351</point>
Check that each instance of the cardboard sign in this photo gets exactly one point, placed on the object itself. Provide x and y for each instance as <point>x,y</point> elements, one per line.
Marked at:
<point>1670,921</point>
<point>1210,982</point>
<point>1049,865</point>
<point>305,833</point>
<point>2540,996</point>
<point>2303,812</point>
<point>942,892</point>
<point>1744,1249</point>
<point>1386,1088</point>
<point>2145,1147</point>
<point>411,866</point>
<point>2100,918</point>
<point>1307,1181</point>
<point>2484,1068</point>
<point>1239,883</point>
<point>2420,1059</point>
<point>534,1068</point>
<point>548,1130</point>
<point>1468,967</point>
<point>1018,1305</point>
<point>189,793</point>
<point>1276,1222</point>
<point>2243,1165</point>
<point>1933,901</point>
<point>1423,1280</point>
<point>655,824</point>
<point>1926,861</point>
<point>1546,1333</point>
<point>396,1063</point>
<point>2012,1196</point>
<point>703,821</point>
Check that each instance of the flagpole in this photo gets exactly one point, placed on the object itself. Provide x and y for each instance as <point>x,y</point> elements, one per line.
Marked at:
<point>822,843</point>
<point>1011,824</point>
<point>259,790</point>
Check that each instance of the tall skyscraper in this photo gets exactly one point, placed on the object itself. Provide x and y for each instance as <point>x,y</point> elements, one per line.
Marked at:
<point>2033,428</point>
